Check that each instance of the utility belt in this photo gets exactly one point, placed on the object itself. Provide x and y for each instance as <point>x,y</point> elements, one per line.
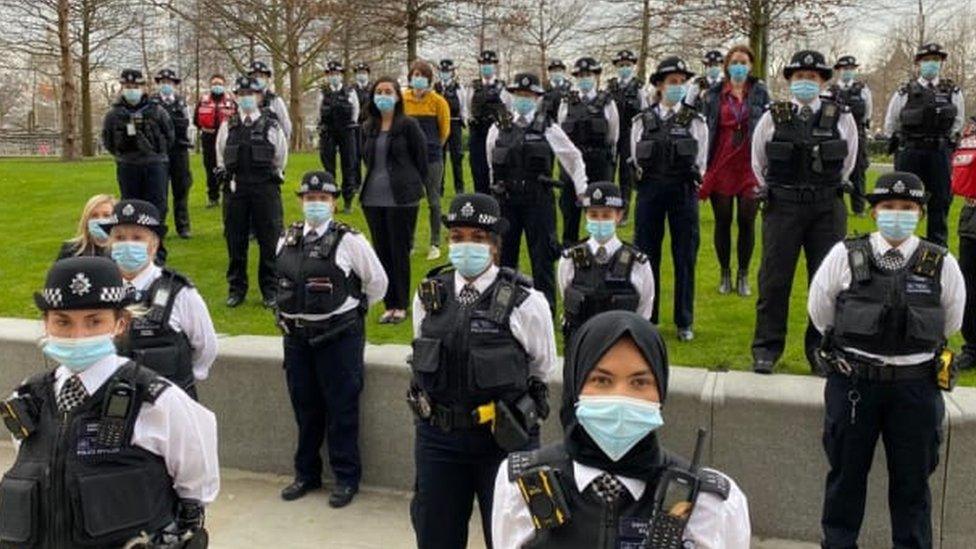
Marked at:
<point>929,143</point>
<point>320,331</point>
<point>511,424</point>
<point>540,188</point>
<point>456,119</point>
<point>804,195</point>
<point>876,371</point>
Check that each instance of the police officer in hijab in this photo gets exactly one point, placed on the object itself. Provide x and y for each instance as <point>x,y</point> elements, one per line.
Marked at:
<point>108,453</point>
<point>600,486</point>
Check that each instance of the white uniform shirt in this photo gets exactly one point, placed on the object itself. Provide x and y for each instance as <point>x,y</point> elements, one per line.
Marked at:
<point>569,157</point>
<point>276,135</point>
<point>834,277</point>
<point>697,128</point>
<point>865,95</point>
<point>175,428</point>
<point>846,127</point>
<point>714,523</point>
<point>610,113</point>
<point>353,100</point>
<point>469,94</point>
<point>531,323</point>
<point>463,94</point>
<point>354,254</point>
<point>641,275</point>
<point>899,99</point>
<point>190,316</point>
<point>281,111</point>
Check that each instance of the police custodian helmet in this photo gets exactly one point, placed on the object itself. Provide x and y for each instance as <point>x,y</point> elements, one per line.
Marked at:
<point>898,186</point>
<point>318,182</point>
<point>83,283</point>
<point>476,210</point>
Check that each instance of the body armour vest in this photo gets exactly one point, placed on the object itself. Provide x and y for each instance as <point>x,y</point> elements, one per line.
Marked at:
<point>176,110</point>
<point>267,100</point>
<point>249,155</point>
<point>486,103</point>
<point>627,98</point>
<point>586,123</point>
<point>335,112</point>
<point>852,97</point>
<point>667,150</point>
<point>807,153</point>
<point>594,524</point>
<point>929,113</point>
<point>467,355</point>
<point>145,119</point>
<point>452,94</point>
<point>597,287</point>
<point>554,96</point>
<point>78,481</point>
<point>521,156</point>
<point>309,280</point>
<point>892,312</point>
<point>151,339</point>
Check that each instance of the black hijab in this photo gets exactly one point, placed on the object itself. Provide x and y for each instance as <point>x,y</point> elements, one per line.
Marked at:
<point>591,341</point>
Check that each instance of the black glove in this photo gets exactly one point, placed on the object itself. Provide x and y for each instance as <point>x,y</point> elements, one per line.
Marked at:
<point>221,174</point>
<point>893,143</point>
<point>539,392</point>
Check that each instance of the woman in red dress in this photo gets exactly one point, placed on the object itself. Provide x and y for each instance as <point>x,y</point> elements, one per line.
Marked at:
<point>732,108</point>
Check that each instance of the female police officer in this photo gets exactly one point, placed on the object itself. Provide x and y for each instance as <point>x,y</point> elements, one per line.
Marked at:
<point>328,275</point>
<point>483,349</point>
<point>885,302</point>
<point>108,452</point>
<point>605,483</point>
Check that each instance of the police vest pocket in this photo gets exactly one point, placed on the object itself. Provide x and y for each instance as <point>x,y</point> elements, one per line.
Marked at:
<point>645,152</point>
<point>624,302</point>
<point>912,117</point>
<point>685,148</point>
<point>263,154</point>
<point>499,155</point>
<point>599,126</point>
<point>573,300</point>
<point>498,368</point>
<point>779,150</point>
<point>113,502</point>
<point>859,319</point>
<point>426,355</point>
<point>835,149</point>
<point>18,507</point>
<point>925,325</point>
<point>162,360</point>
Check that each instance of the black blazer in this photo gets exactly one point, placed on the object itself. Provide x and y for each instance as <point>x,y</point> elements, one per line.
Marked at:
<point>406,159</point>
<point>757,98</point>
<point>70,249</point>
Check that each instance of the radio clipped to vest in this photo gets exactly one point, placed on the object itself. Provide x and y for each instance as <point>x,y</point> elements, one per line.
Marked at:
<point>674,500</point>
<point>117,411</point>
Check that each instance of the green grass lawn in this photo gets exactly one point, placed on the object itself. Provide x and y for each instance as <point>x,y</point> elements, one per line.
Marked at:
<point>42,200</point>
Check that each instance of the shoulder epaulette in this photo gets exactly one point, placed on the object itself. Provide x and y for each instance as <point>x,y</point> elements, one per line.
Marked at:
<point>344,227</point>
<point>181,278</point>
<point>639,256</point>
<point>714,482</point>
<point>520,462</point>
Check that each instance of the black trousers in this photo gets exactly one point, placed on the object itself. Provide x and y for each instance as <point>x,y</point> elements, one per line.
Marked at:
<point>678,204</point>
<point>258,206</point>
<point>933,167</point>
<point>146,182</point>
<point>208,146</point>
<point>180,181</point>
<point>599,167</point>
<point>453,149</point>
<point>538,220</point>
<point>391,230</point>
<point>625,172</point>
<point>858,176</point>
<point>967,263</point>
<point>478,158</point>
<point>907,416</point>
<point>452,470</point>
<point>788,228</point>
<point>344,142</point>
<point>324,383</point>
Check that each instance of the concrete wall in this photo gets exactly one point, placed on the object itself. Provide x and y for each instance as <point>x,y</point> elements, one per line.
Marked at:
<point>764,431</point>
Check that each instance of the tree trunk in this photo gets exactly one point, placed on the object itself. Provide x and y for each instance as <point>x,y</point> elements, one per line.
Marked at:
<point>84,64</point>
<point>542,41</point>
<point>68,91</point>
<point>644,40</point>
<point>412,31</point>
<point>294,64</point>
<point>759,38</point>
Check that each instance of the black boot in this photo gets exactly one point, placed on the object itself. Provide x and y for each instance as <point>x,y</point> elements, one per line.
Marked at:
<point>725,286</point>
<point>742,284</point>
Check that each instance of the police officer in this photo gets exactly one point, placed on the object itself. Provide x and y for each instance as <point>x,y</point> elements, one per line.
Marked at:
<point>609,482</point>
<point>487,99</point>
<point>139,134</point>
<point>174,334</point>
<point>924,119</point>
<point>557,88</point>
<point>521,148</point>
<point>456,95</point>
<point>856,96</point>
<point>627,93</point>
<point>483,350</point>
<point>603,273</point>
<point>108,453</point>
<point>802,151</point>
<point>179,151</point>
<point>589,117</point>
<point>214,107</point>
<point>886,303</point>
<point>362,85</point>
<point>252,151</point>
<point>669,148</point>
<point>328,275</point>
<point>713,64</point>
<point>338,121</point>
<point>261,73</point>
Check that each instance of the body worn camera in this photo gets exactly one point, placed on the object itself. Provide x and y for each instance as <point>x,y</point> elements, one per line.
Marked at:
<point>20,416</point>
<point>544,497</point>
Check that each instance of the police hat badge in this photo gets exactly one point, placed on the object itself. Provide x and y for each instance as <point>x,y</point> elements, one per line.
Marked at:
<point>598,194</point>
<point>899,187</point>
<point>808,60</point>
<point>80,284</point>
<point>467,210</point>
<point>128,210</point>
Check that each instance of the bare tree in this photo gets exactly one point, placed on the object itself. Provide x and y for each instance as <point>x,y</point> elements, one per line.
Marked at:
<point>546,24</point>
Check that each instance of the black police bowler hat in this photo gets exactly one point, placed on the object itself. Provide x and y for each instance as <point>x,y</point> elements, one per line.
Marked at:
<point>898,186</point>
<point>587,64</point>
<point>446,65</point>
<point>135,212</point>
<point>930,49</point>
<point>713,57</point>
<point>259,67</point>
<point>487,56</point>
<point>83,283</point>
<point>808,60</point>
<point>526,81</point>
<point>603,193</point>
<point>334,66</point>
<point>624,56</point>
<point>246,83</point>
<point>318,181</point>
<point>132,76</point>
<point>846,62</point>
<point>362,66</point>
<point>167,74</point>
<point>475,210</point>
<point>670,65</point>
<point>556,64</point>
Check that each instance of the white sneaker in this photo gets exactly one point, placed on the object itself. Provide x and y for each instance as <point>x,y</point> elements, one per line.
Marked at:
<point>434,253</point>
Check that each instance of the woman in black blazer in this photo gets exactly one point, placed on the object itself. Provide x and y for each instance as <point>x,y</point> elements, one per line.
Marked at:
<point>395,153</point>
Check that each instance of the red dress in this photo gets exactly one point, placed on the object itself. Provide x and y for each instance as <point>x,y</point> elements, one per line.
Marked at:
<point>730,172</point>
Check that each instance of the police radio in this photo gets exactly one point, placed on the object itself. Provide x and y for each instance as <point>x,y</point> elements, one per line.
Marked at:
<point>115,413</point>
<point>674,500</point>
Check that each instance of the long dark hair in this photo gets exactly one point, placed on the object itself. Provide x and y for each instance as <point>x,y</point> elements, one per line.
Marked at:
<point>373,123</point>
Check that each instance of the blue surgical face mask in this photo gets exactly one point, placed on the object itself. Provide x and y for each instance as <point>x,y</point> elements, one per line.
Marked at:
<point>262,82</point>
<point>487,70</point>
<point>248,103</point>
<point>132,95</point>
<point>738,72</point>
<point>362,78</point>
<point>625,72</point>
<point>130,256</point>
<point>523,105</point>
<point>470,258</point>
<point>217,89</point>
<point>674,93</point>
<point>95,229</point>
<point>166,89</point>
<point>317,212</point>
<point>78,354</point>
<point>557,77</point>
<point>419,82</point>
<point>804,91</point>
<point>930,69</point>
<point>714,72</point>
<point>445,76</point>
<point>601,230</point>
<point>586,84</point>
<point>335,80</point>
<point>617,423</point>
<point>384,103</point>
<point>897,224</point>
<point>848,75</point>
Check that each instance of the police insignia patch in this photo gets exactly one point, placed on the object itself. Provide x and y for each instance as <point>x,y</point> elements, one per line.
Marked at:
<point>525,81</point>
<point>315,180</point>
<point>80,285</point>
<point>681,65</point>
<point>128,210</point>
<point>898,187</point>
<point>467,210</point>
<point>598,194</point>
<point>808,60</point>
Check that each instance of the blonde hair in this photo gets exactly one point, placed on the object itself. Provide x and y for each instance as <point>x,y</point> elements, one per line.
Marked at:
<point>82,238</point>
